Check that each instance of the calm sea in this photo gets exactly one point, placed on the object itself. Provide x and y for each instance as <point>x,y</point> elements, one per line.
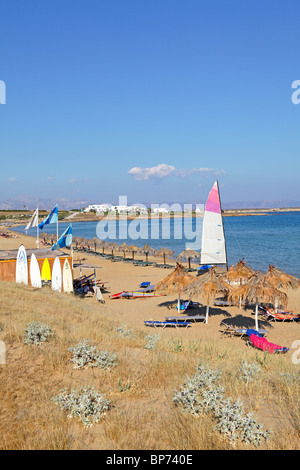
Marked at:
<point>260,240</point>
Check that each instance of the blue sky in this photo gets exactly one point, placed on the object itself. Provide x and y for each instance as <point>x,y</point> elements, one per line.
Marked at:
<point>149,99</point>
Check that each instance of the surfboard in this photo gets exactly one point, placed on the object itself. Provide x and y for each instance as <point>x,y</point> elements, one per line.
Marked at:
<point>67,277</point>
<point>22,266</point>
<point>56,275</point>
<point>46,271</point>
<point>35,273</point>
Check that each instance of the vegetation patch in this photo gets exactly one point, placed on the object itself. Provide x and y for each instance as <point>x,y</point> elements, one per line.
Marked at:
<point>85,404</point>
<point>86,355</point>
<point>201,394</point>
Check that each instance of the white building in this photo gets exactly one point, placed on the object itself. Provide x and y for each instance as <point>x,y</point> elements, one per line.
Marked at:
<point>120,209</point>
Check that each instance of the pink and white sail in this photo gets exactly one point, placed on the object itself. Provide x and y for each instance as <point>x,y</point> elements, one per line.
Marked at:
<point>213,250</point>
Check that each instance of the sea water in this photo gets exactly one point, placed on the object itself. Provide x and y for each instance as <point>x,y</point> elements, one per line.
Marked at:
<point>261,240</point>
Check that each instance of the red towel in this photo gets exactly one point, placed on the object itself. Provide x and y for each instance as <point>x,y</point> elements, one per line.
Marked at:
<point>263,344</point>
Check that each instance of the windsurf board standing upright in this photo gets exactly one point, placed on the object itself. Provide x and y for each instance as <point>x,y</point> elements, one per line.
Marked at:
<point>213,249</point>
<point>56,275</point>
<point>22,266</point>
<point>67,277</point>
<point>46,272</point>
<point>35,273</point>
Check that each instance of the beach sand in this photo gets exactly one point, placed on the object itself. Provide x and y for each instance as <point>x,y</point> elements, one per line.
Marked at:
<point>119,276</point>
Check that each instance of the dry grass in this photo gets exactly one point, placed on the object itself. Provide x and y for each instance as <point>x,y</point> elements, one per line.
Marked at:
<point>141,386</point>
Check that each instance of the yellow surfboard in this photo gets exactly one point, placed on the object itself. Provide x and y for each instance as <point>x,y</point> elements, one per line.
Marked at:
<point>46,271</point>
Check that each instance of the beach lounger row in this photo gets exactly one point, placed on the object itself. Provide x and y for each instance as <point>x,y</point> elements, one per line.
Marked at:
<point>279,315</point>
<point>166,324</point>
<point>188,318</point>
<point>241,332</point>
<point>256,339</point>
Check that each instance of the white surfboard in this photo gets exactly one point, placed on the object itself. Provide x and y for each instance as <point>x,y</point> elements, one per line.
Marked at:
<point>22,266</point>
<point>56,275</point>
<point>67,277</point>
<point>35,272</point>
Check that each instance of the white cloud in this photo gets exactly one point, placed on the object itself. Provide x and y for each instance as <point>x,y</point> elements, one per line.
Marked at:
<point>163,170</point>
<point>72,180</point>
<point>159,171</point>
<point>12,180</point>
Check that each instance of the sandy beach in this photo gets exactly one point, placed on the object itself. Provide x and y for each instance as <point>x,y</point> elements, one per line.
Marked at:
<point>120,276</point>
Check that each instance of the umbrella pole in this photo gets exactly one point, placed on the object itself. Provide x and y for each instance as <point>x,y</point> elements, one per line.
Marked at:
<point>256,317</point>
<point>178,303</point>
<point>206,316</point>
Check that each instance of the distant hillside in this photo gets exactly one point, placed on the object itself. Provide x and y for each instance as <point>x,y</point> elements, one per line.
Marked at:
<point>260,204</point>
<point>31,202</point>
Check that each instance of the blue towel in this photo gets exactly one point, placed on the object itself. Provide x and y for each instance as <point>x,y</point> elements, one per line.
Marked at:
<point>253,332</point>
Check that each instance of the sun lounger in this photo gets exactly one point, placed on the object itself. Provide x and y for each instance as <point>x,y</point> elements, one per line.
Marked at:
<point>264,345</point>
<point>280,315</point>
<point>185,305</point>
<point>145,284</point>
<point>164,324</point>
<point>148,288</point>
<point>186,318</point>
<point>223,303</point>
<point>231,331</point>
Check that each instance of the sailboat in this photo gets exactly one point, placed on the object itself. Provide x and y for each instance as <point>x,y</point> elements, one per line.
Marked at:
<point>213,248</point>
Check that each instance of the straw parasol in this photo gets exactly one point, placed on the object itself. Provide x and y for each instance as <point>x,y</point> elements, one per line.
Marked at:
<point>123,248</point>
<point>43,235</point>
<point>164,252</point>
<point>133,249</point>
<point>102,244</point>
<point>176,281</point>
<point>206,287</point>
<point>189,254</point>
<point>280,279</point>
<point>76,240</point>
<point>238,274</point>
<point>148,250</point>
<point>89,243</point>
<point>258,290</point>
<point>113,246</point>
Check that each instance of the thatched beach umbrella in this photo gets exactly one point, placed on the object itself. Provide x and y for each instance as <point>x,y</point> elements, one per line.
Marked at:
<point>238,274</point>
<point>148,250</point>
<point>133,249</point>
<point>164,252</point>
<point>123,248</point>
<point>258,290</point>
<point>176,281</point>
<point>82,241</point>
<point>94,243</point>
<point>280,279</point>
<point>189,254</point>
<point>50,238</point>
<point>206,287</point>
<point>76,240</point>
<point>89,243</point>
<point>102,244</point>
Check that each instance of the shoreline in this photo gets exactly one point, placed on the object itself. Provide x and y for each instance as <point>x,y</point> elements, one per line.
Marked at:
<point>88,217</point>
